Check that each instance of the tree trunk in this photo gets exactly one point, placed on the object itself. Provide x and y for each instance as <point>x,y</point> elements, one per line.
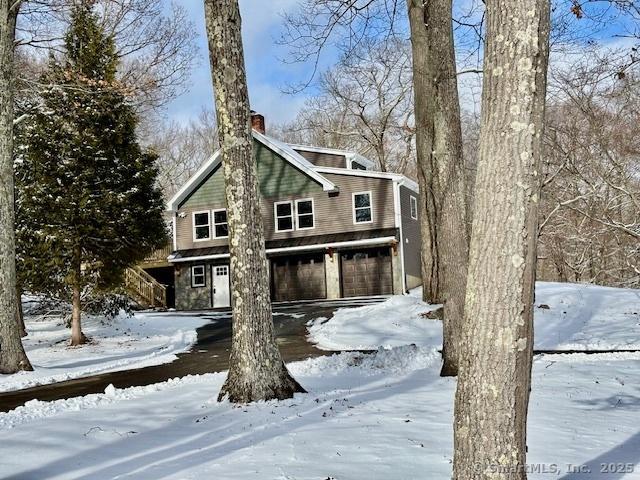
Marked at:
<point>440,168</point>
<point>495,369</point>
<point>256,369</point>
<point>20,313</point>
<point>12,355</point>
<point>77,337</point>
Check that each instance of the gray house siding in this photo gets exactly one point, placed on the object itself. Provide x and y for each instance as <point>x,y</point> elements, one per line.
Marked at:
<point>324,159</point>
<point>333,212</point>
<point>412,241</point>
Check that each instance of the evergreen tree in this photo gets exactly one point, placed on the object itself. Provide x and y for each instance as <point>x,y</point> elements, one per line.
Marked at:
<point>87,201</point>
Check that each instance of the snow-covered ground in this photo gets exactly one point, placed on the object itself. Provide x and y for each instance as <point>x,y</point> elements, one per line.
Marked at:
<point>145,339</point>
<point>578,317</point>
<point>385,416</point>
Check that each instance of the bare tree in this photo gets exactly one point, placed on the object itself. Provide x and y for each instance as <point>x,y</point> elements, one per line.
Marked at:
<point>181,148</point>
<point>156,44</point>
<point>12,355</point>
<point>590,215</point>
<point>441,171</point>
<point>365,103</point>
<point>256,369</point>
<point>495,369</point>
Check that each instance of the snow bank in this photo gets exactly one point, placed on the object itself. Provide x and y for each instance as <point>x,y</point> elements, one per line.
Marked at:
<point>396,321</point>
<point>567,317</point>
<point>145,339</point>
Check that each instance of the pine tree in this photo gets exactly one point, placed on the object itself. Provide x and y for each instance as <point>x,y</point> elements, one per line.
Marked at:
<point>87,201</point>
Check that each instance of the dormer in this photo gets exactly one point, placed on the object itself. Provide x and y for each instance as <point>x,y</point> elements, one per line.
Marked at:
<point>330,157</point>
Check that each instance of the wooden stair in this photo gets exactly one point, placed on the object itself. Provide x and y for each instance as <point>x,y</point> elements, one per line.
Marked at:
<point>145,289</point>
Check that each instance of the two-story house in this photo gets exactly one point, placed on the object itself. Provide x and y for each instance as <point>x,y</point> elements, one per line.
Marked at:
<point>333,227</point>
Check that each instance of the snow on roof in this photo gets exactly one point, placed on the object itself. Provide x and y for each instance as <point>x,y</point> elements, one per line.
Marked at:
<point>290,155</point>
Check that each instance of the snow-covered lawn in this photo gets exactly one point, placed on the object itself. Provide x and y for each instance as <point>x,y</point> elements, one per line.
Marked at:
<point>145,339</point>
<point>385,416</point>
<point>578,317</point>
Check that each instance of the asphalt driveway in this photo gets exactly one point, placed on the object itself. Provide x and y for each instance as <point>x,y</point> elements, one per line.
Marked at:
<point>209,354</point>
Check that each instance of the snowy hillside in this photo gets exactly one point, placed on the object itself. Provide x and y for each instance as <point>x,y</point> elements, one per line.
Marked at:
<point>568,317</point>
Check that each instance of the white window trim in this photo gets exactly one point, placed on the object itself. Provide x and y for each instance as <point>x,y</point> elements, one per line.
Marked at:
<point>193,223</point>
<point>313,213</point>
<point>353,205</point>
<point>413,201</point>
<point>275,216</point>
<point>204,275</point>
<point>213,223</point>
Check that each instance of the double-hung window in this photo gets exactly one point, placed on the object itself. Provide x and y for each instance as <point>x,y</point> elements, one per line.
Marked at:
<point>305,218</point>
<point>284,216</point>
<point>201,226</point>
<point>198,276</point>
<point>362,209</point>
<point>220,224</point>
<point>414,207</point>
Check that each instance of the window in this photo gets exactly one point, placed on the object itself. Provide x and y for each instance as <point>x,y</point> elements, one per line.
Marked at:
<point>201,226</point>
<point>362,212</point>
<point>305,219</point>
<point>222,271</point>
<point>357,166</point>
<point>284,216</point>
<point>220,225</point>
<point>198,278</point>
<point>414,207</point>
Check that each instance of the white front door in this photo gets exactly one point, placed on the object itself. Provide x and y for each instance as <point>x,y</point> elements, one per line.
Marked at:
<point>221,295</point>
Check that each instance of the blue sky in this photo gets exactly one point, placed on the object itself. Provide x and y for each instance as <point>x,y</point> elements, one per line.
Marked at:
<point>266,74</point>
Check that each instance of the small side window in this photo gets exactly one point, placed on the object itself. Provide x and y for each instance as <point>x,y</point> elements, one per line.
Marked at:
<point>362,211</point>
<point>414,207</point>
<point>198,277</point>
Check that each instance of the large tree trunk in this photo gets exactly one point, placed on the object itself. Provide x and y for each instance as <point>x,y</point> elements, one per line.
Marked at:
<point>440,168</point>
<point>495,370</point>
<point>12,355</point>
<point>256,369</point>
<point>20,313</point>
<point>77,337</point>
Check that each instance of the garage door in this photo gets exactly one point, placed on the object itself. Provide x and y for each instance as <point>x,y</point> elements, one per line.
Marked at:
<point>299,277</point>
<point>366,272</point>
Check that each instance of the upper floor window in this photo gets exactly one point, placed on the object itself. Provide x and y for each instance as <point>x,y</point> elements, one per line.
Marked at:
<point>305,218</point>
<point>362,211</point>
<point>284,216</point>
<point>220,224</point>
<point>414,207</point>
<point>198,277</point>
<point>201,226</point>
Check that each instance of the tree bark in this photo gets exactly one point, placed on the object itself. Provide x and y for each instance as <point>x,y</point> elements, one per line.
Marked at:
<point>256,369</point>
<point>77,337</point>
<point>12,355</point>
<point>495,370</point>
<point>440,168</point>
<point>20,313</point>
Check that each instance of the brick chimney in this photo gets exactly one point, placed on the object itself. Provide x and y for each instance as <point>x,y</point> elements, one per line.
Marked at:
<point>257,122</point>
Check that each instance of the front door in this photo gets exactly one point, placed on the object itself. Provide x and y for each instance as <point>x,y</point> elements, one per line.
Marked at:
<point>221,295</point>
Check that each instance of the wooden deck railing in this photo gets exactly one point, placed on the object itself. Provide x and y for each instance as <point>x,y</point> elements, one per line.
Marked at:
<point>145,289</point>
<point>158,256</point>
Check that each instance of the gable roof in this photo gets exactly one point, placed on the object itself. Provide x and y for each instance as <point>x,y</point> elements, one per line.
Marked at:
<point>348,155</point>
<point>282,149</point>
